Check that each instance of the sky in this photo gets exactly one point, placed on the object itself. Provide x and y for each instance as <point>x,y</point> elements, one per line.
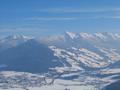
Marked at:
<point>52,17</point>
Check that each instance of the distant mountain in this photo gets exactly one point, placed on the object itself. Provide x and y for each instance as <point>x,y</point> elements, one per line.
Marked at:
<point>70,56</point>
<point>89,51</point>
<point>30,56</point>
<point>78,51</point>
<point>105,39</point>
<point>12,41</point>
<point>96,36</point>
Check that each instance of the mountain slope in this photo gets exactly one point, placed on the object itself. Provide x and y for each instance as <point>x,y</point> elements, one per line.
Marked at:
<point>92,59</point>
<point>88,51</point>
<point>12,41</point>
<point>29,57</point>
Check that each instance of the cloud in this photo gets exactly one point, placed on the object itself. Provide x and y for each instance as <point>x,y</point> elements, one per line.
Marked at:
<point>52,18</point>
<point>20,29</point>
<point>107,17</point>
<point>84,13</point>
<point>79,10</point>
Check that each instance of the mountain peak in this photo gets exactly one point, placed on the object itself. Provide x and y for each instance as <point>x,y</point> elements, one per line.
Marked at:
<point>13,41</point>
<point>93,36</point>
<point>18,37</point>
<point>70,35</point>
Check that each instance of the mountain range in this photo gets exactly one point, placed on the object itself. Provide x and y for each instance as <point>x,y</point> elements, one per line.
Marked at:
<point>91,54</point>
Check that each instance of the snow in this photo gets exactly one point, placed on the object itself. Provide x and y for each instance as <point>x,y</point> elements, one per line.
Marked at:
<point>111,54</point>
<point>110,71</point>
<point>86,35</point>
<point>60,85</point>
<point>100,35</point>
<point>87,57</point>
<point>71,35</point>
<point>75,58</point>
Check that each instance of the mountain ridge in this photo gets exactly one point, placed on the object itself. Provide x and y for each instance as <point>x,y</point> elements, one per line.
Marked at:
<point>93,59</point>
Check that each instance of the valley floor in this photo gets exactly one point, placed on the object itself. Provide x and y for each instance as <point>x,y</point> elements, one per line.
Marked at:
<point>60,85</point>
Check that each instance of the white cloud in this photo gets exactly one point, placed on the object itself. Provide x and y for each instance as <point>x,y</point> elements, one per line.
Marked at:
<point>20,29</point>
<point>106,17</point>
<point>79,10</point>
<point>52,18</point>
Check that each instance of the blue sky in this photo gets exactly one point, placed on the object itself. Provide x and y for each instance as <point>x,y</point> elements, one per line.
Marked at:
<point>50,17</point>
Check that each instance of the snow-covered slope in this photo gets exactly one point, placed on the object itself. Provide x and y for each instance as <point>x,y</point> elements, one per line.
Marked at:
<point>30,56</point>
<point>77,51</point>
<point>96,36</point>
<point>81,57</point>
<point>88,51</point>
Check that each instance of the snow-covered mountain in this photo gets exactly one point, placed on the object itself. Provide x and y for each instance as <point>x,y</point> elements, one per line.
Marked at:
<point>31,56</point>
<point>82,57</point>
<point>78,51</point>
<point>12,41</point>
<point>87,52</point>
<point>94,36</point>
<point>84,50</point>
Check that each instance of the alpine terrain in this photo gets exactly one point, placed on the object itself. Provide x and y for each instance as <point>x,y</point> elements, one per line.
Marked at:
<point>72,61</point>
